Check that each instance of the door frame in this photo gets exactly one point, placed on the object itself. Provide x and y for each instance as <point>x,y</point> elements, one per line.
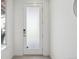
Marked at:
<point>18,26</point>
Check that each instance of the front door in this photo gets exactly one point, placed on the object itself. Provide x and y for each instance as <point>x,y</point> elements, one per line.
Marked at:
<point>32,31</point>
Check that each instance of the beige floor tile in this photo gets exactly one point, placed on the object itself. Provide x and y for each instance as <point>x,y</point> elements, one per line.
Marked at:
<point>30,57</point>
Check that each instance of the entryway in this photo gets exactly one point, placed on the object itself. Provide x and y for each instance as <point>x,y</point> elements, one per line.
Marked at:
<point>31,27</point>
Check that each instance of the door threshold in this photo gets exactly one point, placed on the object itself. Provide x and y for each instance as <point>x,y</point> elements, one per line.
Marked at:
<point>32,55</point>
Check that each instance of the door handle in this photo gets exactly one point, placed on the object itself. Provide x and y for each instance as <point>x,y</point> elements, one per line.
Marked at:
<point>24,32</point>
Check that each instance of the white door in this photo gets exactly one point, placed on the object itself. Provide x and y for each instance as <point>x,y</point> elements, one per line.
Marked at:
<point>33,29</point>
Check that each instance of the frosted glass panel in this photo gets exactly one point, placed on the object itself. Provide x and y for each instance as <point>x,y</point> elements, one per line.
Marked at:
<point>32,17</point>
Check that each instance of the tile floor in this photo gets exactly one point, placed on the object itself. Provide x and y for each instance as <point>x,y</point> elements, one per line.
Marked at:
<point>30,57</point>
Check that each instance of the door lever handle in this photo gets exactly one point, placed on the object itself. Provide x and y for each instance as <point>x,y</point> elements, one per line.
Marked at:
<point>24,32</point>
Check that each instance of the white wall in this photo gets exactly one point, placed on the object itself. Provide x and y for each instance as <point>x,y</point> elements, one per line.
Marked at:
<point>8,52</point>
<point>46,28</point>
<point>63,30</point>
